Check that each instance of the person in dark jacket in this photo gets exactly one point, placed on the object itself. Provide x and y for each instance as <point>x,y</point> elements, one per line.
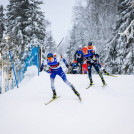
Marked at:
<point>78,56</point>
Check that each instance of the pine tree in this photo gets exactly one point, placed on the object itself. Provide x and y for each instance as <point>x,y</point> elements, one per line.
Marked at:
<point>26,23</point>
<point>49,46</point>
<point>119,52</point>
<point>93,20</point>
<point>2,22</point>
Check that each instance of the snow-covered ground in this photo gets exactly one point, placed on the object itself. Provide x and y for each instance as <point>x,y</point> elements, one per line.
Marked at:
<point>103,110</point>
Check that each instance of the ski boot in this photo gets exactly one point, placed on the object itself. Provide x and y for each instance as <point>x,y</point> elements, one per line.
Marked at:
<point>91,82</point>
<point>54,94</point>
<point>104,83</point>
<point>76,93</point>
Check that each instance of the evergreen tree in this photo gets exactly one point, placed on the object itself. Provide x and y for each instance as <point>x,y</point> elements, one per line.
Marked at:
<point>49,46</point>
<point>119,51</point>
<point>2,22</point>
<point>93,20</point>
<point>50,43</point>
<point>26,23</point>
<point>72,44</point>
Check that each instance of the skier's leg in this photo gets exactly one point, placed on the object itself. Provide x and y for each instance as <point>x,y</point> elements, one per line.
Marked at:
<point>81,67</point>
<point>79,63</point>
<point>105,72</point>
<point>64,78</point>
<point>98,71</point>
<point>89,66</point>
<point>52,78</point>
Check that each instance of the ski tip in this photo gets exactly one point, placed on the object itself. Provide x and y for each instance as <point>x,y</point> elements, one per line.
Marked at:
<point>52,100</point>
<point>89,86</point>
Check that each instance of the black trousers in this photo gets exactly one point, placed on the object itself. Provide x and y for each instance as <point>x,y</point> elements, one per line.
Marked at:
<point>80,63</point>
<point>89,66</point>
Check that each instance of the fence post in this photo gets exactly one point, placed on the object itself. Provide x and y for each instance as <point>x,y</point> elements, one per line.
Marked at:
<point>38,59</point>
<point>13,69</point>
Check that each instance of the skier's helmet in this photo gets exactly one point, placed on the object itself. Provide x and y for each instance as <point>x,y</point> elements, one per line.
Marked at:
<point>50,55</point>
<point>80,47</point>
<point>89,43</point>
<point>85,50</point>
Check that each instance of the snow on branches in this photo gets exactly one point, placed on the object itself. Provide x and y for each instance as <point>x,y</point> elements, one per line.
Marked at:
<point>129,32</point>
<point>132,3</point>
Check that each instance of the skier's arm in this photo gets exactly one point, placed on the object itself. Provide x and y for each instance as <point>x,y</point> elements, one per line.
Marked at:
<point>65,62</point>
<point>41,68</point>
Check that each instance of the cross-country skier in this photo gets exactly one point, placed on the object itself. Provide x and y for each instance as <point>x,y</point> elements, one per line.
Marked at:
<point>74,67</point>
<point>78,56</point>
<point>57,70</point>
<point>91,61</point>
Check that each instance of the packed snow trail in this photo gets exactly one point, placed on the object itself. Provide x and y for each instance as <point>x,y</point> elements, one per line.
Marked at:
<point>108,110</point>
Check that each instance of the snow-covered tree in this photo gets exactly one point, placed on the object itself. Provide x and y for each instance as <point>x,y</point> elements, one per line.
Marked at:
<point>119,55</point>
<point>2,22</point>
<point>93,21</point>
<point>26,23</point>
<point>49,46</point>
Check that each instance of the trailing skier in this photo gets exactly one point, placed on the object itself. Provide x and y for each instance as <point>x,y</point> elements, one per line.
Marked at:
<point>78,56</point>
<point>57,70</point>
<point>91,61</point>
<point>75,67</point>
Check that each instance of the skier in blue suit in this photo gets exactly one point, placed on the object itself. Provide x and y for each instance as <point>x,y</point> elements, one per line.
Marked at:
<point>55,69</point>
<point>89,56</point>
<point>78,56</point>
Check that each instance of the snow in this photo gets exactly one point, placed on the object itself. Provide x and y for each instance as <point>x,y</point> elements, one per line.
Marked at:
<point>103,110</point>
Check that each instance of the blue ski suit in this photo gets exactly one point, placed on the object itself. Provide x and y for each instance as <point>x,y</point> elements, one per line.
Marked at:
<point>56,69</point>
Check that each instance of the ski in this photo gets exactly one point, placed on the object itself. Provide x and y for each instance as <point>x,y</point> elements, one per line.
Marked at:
<point>89,86</point>
<point>52,100</point>
<point>111,75</point>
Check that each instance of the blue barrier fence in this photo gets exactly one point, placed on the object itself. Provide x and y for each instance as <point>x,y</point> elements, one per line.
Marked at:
<point>31,59</point>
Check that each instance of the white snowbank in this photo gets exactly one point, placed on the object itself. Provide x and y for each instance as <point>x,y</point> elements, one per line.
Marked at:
<point>106,110</point>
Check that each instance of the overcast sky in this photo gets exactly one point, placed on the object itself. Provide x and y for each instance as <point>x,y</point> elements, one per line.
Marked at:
<point>59,13</point>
